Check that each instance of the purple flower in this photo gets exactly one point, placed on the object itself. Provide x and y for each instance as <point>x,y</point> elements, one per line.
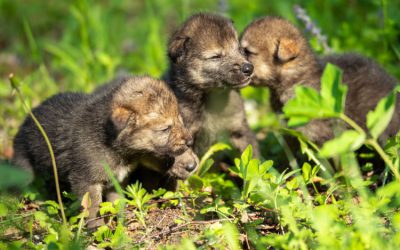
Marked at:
<point>311,27</point>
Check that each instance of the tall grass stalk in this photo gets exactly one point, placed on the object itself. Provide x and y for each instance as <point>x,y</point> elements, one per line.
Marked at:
<point>15,85</point>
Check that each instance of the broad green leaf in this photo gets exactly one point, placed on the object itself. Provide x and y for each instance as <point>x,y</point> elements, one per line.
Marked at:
<point>196,182</point>
<point>292,184</point>
<point>314,171</point>
<point>306,103</point>
<point>253,169</point>
<point>309,104</point>
<point>349,140</point>
<point>265,166</point>
<point>102,233</point>
<point>333,92</point>
<point>52,207</point>
<point>379,118</point>
<point>247,155</point>
<point>107,207</point>
<point>158,192</point>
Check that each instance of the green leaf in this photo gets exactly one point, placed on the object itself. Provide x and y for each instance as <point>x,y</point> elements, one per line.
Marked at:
<point>309,104</point>
<point>333,92</point>
<point>196,182</point>
<point>305,104</point>
<point>379,118</point>
<point>187,244</point>
<point>315,171</point>
<point>158,192</point>
<point>252,169</point>
<point>231,235</point>
<point>349,140</point>
<point>205,167</point>
<point>306,168</point>
<point>292,184</point>
<point>52,207</point>
<point>296,121</point>
<point>247,155</point>
<point>102,233</point>
<point>264,167</point>
<point>107,207</point>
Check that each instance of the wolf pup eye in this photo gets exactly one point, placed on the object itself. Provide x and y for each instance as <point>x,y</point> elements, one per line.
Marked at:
<point>247,52</point>
<point>166,129</point>
<point>214,57</point>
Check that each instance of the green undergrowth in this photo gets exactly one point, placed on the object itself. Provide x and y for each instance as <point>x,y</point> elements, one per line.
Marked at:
<point>343,195</point>
<point>315,205</point>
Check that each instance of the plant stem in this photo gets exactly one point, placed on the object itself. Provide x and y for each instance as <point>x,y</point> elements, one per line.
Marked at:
<point>373,143</point>
<point>352,123</point>
<point>50,148</point>
<point>289,154</point>
<point>384,157</point>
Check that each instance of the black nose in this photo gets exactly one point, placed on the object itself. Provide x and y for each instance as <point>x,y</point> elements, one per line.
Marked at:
<point>247,69</point>
<point>190,167</point>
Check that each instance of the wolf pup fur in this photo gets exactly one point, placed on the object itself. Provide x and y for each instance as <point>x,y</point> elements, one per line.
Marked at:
<point>207,69</point>
<point>132,117</point>
<point>282,58</point>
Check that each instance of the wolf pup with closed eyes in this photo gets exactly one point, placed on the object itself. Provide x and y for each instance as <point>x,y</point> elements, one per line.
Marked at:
<point>206,71</point>
<point>283,58</point>
<point>117,126</point>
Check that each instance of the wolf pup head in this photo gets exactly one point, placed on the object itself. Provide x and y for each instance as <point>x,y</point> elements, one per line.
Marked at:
<point>145,114</point>
<point>205,51</point>
<point>278,51</point>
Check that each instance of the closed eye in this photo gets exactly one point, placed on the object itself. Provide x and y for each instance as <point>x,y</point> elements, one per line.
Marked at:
<point>247,52</point>
<point>214,57</point>
<point>166,129</point>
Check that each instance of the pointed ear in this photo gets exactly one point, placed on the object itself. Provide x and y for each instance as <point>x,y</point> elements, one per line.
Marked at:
<point>120,117</point>
<point>287,49</point>
<point>177,48</point>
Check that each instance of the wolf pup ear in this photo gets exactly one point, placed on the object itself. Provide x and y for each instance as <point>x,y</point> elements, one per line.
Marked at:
<point>177,48</point>
<point>120,117</point>
<point>286,50</point>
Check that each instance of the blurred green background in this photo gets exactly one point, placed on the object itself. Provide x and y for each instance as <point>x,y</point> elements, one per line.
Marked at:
<point>76,45</point>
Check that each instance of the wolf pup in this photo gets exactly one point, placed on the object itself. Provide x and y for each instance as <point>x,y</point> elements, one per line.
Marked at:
<point>129,118</point>
<point>282,58</point>
<point>207,69</point>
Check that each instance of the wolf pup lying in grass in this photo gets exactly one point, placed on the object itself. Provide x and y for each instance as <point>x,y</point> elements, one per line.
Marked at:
<point>283,58</point>
<point>119,125</point>
<point>206,71</point>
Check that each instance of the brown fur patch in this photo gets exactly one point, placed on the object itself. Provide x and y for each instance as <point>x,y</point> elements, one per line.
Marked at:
<point>120,116</point>
<point>287,49</point>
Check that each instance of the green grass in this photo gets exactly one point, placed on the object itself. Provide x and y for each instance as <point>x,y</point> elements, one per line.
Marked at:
<point>77,45</point>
